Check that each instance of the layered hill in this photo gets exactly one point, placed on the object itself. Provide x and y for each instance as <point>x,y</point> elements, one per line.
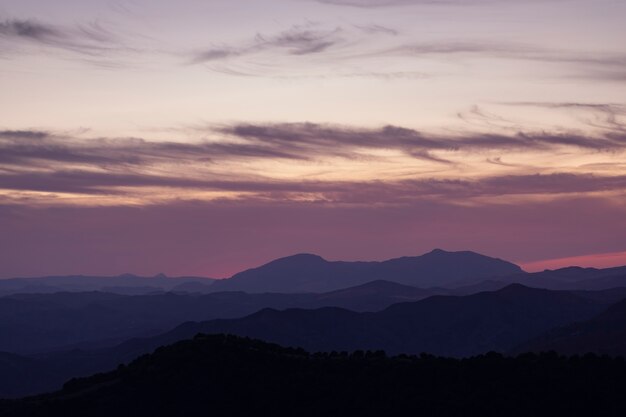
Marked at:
<point>122,284</point>
<point>31,323</point>
<point>225,375</point>
<point>441,325</point>
<point>603,334</point>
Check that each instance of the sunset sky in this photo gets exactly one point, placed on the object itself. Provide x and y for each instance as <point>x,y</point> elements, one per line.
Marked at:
<point>202,137</point>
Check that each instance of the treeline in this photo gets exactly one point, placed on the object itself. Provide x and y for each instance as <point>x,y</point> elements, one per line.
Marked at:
<point>226,375</point>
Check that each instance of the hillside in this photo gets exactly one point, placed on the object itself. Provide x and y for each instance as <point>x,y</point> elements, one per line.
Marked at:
<point>40,322</point>
<point>603,334</point>
<point>226,375</point>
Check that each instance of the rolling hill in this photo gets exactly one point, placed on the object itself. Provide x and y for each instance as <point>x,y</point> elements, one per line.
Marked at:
<point>603,334</point>
<point>226,375</point>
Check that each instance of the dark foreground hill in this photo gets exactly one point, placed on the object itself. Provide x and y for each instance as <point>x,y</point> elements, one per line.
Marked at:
<point>604,334</point>
<point>312,273</point>
<point>230,376</point>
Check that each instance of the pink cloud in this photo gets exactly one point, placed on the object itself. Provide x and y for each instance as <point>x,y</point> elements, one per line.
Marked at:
<point>600,260</point>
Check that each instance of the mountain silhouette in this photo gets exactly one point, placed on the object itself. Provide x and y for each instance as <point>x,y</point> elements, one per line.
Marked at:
<point>312,273</point>
<point>443,325</point>
<point>227,375</point>
<point>34,323</point>
<point>122,284</point>
<point>603,334</point>
<point>571,278</point>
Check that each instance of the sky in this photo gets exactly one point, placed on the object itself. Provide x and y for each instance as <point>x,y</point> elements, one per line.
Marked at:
<point>205,137</point>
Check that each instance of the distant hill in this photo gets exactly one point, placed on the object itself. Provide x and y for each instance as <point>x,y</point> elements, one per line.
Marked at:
<point>603,334</point>
<point>312,273</point>
<point>572,278</point>
<point>41,322</point>
<point>225,375</point>
<point>441,325</point>
<point>122,284</point>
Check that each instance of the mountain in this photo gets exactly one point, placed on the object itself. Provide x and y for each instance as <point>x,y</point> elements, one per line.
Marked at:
<point>604,334</point>
<point>225,375</point>
<point>374,296</point>
<point>572,278</point>
<point>122,284</point>
<point>32,323</point>
<point>312,273</point>
<point>441,325</point>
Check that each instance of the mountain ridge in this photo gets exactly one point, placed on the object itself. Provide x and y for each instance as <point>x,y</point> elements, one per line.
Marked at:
<point>311,273</point>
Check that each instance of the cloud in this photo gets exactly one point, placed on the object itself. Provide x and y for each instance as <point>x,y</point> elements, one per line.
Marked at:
<point>233,158</point>
<point>606,116</point>
<point>23,134</point>
<point>314,137</point>
<point>375,29</point>
<point>92,42</point>
<point>391,3</point>
<point>90,182</point>
<point>283,141</point>
<point>39,148</point>
<point>383,3</point>
<point>345,47</point>
<point>297,40</point>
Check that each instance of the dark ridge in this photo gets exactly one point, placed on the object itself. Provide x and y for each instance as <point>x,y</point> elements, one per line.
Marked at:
<point>604,334</point>
<point>226,375</point>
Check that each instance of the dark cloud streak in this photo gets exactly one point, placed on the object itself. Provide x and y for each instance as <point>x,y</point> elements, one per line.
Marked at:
<point>287,141</point>
<point>91,39</point>
<point>297,40</point>
<point>339,192</point>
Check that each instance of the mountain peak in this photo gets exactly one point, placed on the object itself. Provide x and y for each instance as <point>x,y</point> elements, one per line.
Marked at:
<point>304,258</point>
<point>517,288</point>
<point>303,255</point>
<point>437,251</point>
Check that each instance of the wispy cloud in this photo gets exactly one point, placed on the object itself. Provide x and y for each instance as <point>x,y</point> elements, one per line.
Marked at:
<point>89,39</point>
<point>344,47</point>
<point>286,141</point>
<point>381,3</point>
<point>310,137</point>
<point>391,3</point>
<point>605,116</point>
<point>297,40</point>
<point>44,161</point>
<point>339,192</point>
